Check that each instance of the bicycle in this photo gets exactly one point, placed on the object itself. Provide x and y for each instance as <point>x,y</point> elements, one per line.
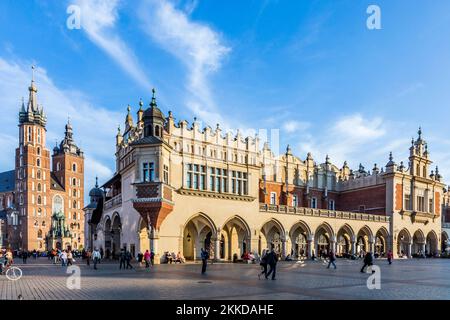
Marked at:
<point>12,273</point>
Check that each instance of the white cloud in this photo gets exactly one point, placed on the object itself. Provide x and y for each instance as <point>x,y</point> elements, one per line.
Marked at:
<point>292,126</point>
<point>196,45</point>
<point>98,20</point>
<point>94,127</point>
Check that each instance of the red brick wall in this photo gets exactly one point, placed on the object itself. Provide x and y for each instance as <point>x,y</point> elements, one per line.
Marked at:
<point>437,203</point>
<point>374,197</point>
<point>398,196</point>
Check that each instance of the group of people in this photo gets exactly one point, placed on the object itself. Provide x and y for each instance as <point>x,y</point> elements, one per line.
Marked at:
<point>174,258</point>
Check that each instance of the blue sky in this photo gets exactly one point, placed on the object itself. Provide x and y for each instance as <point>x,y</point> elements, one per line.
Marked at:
<point>311,69</point>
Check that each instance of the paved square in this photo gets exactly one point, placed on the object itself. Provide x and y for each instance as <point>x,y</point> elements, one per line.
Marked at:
<point>404,279</point>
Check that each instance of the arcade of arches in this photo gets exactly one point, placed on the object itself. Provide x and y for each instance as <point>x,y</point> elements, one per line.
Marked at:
<point>234,237</point>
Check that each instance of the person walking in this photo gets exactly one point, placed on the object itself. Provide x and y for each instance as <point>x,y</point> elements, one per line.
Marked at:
<point>272,260</point>
<point>69,258</point>
<point>88,255</point>
<point>263,265</point>
<point>122,259</point>
<point>63,258</point>
<point>147,258</point>
<point>96,256</point>
<point>390,256</point>
<point>152,258</point>
<point>24,256</point>
<point>332,259</point>
<point>128,258</point>
<point>368,261</point>
<point>205,256</point>
<point>140,257</point>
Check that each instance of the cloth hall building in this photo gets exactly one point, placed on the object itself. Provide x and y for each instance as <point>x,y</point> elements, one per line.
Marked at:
<point>180,188</point>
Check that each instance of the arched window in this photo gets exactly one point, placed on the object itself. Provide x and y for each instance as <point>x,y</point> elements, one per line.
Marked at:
<point>38,162</point>
<point>39,200</point>
<point>58,166</point>
<point>74,167</point>
<point>29,134</point>
<point>74,182</point>
<point>38,151</point>
<point>74,216</point>
<point>74,205</point>
<point>58,204</point>
<point>74,192</point>
<point>39,235</point>
<point>36,223</point>
<point>21,199</point>
<point>43,223</point>
<point>38,174</point>
<point>39,188</point>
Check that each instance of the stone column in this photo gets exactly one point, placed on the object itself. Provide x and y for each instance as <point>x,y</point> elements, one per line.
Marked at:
<point>154,238</point>
<point>409,254</point>
<point>353,240</point>
<point>372,245</point>
<point>310,245</point>
<point>423,248</point>
<point>217,248</point>
<point>283,247</point>
<point>333,244</point>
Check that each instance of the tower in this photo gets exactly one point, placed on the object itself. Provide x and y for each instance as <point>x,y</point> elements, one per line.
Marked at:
<point>419,161</point>
<point>68,171</point>
<point>32,175</point>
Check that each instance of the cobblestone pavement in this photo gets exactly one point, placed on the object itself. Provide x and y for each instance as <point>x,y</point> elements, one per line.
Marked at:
<point>404,279</point>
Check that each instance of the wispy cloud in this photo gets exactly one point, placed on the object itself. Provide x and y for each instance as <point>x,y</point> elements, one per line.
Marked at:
<point>93,126</point>
<point>196,45</point>
<point>98,20</point>
<point>292,126</point>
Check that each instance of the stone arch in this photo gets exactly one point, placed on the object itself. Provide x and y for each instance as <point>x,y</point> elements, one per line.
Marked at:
<point>432,244</point>
<point>323,239</point>
<point>237,233</point>
<point>300,234</point>
<point>445,245</point>
<point>403,243</point>
<point>364,238</point>
<point>198,232</point>
<point>345,241</point>
<point>272,235</point>
<point>381,241</point>
<point>143,235</point>
<point>116,230</point>
<point>418,243</point>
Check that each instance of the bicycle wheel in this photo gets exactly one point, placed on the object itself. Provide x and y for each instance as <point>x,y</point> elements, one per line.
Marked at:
<point>14,273</point>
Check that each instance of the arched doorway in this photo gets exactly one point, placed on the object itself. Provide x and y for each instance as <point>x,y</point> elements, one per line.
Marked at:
<point>144,240</point>
<point>322,239</point>
<point>363,241</point>
<point>299,236</point>
<point>381,242</point>
<point>238,235</point>
<point>344,241</point>
<point>431,247</point>
<point>197,234</point>
<point>116,230</point>
<point>418,245</point>
<point>445,243</point>
<point>272,236</point>
<point>108,239</point>
<point>403,241</point>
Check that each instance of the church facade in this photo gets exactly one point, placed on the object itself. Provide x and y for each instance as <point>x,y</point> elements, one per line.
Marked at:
<point>46,201</point>
<point>180,188</point>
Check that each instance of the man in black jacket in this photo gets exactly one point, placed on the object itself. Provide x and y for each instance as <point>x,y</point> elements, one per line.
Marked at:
<point>368,261</point>
<point>272,260</point>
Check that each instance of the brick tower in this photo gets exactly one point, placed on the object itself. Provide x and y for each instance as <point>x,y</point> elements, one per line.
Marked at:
<point>32,175</point>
